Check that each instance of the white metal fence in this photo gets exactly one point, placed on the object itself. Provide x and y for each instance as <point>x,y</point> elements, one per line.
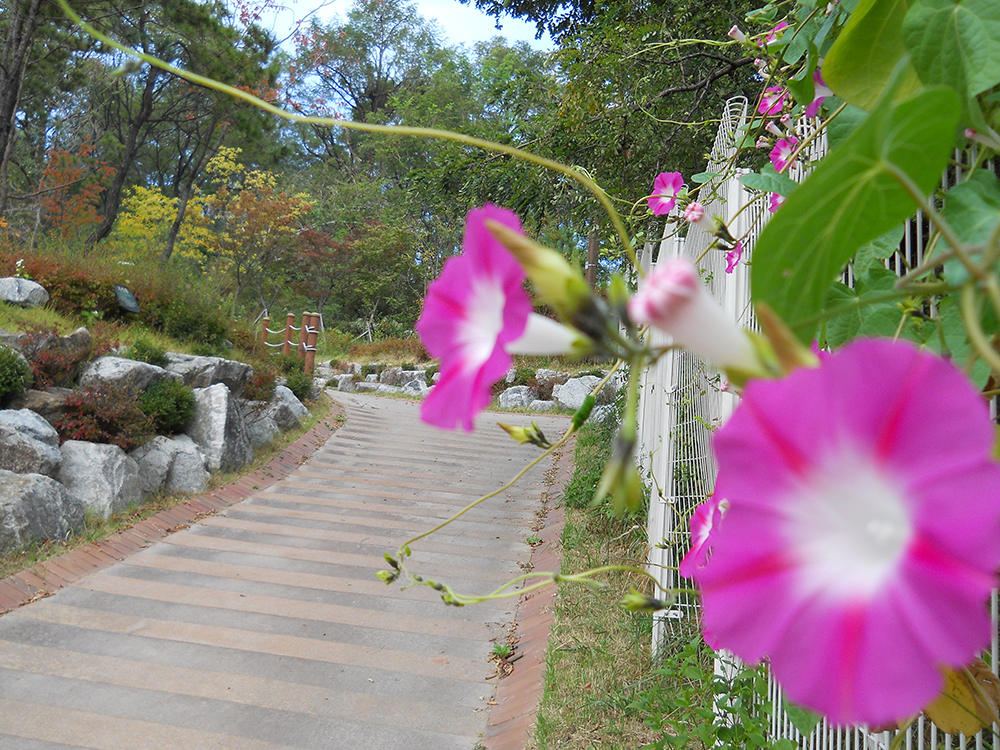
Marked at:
<point>681,401</point>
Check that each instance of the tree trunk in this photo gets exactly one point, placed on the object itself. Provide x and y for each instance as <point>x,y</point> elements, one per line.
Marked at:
<point>14,63</point>
<point>113,198</point>
<point>187,190</point>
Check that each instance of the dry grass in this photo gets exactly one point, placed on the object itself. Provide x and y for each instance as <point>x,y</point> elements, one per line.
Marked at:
<point>599,654</point>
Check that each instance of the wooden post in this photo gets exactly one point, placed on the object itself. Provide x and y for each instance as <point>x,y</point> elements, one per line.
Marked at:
<point>306,317</point>
<point>311,342</point>
<point>286,348</point>
<point>264,325</point>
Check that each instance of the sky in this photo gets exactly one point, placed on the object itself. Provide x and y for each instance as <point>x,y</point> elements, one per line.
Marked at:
<point>462,24</point>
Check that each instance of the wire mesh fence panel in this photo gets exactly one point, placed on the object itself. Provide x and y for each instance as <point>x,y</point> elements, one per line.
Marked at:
<point>682,401</point>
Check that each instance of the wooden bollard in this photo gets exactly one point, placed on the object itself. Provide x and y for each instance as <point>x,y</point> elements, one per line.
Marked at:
<point>264,325</point>
<point>311,342</point>
<point>303,334</point>
<point>286,348</point>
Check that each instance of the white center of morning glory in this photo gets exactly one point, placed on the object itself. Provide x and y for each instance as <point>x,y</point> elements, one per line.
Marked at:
<point>848,526</point>
<point>483,322</point>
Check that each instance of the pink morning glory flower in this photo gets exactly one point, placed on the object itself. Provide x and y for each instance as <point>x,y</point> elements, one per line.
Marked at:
<point>476,307</point>
<point>773,101</point>
<point>704,521</point>
<point>673,299</point>
<point>737,34</point>
<point>776,200</point>
<point>665,189</point>
<point>782,152</point>
<point>733,257</point>
<point>863,533</point>
<point>695,214</point>
<point>772,35</point>
<point>822,92</point>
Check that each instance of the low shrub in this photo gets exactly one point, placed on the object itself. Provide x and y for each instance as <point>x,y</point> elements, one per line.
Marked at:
<point>429,374</point>
<point>146,350</point>
<point>288,363</point>
<point>299,383</point>
<point>169,405</point>
<point>15,374</point>
<point>262,382</point>
<point>105,413</point>
<point>48,368</point>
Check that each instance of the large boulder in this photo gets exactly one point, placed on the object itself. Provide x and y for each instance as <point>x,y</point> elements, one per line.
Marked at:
<point>548,379</point>
<point>517,397</point>
<point>219,429</point>
<point>416,387</point>
<point>101,475</point>
<point>346,382</point>
<point>154,460</point>
<point>570,395</point>
<point>125,373</point>
<point>261,427</point>
<point>171,465</point>
<point>35,507</point>
<point>201,372</point>
<point>285,409</point>
<point>28,444</point>
<point>188,472</point>
<point>22,292</point>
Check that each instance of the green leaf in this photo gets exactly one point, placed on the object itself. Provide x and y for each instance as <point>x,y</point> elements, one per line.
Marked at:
<point>803,719</point>
<point>972,208</point>
<point>769,181</point>
<point>956,340</point>
<point>703,177</point>
<point>955,43</point>
<point>844,124</point>
<point>843,327</point>
<point>862,61</point>
<point>879,248</point>
<point>850,199</point>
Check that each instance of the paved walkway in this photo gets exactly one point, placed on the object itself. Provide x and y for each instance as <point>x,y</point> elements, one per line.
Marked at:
<point>263,626</point>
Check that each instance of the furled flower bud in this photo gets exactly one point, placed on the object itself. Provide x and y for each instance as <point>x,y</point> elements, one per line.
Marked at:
<point>522,435</point>
<point>737,34</point>
<point>673,299</point>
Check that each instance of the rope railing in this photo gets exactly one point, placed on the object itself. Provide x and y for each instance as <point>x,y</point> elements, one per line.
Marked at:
<point>309,334</point>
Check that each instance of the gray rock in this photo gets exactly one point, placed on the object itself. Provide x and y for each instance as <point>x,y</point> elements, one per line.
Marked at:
<point>391,376</point>
<point>571,394</point>
<point>383,388</point>
<point>22,292</point>
<point>154,460</point>
<point>35,507</point>
<point>416,387</point>
<point>50,405</point>
<point>372,378</point>
<point>602,412</point>
<point>517,397</point>
<point>28,423</point>
<point>187,472</point>
<point>201,372</point>
<point>345,382</point>
<point>366,386</point>
<point>550,378</point>
<point>261,427</point>
<point>285,409</point>
<point>125,373</point>
<point>28,444</point>
<point>539,405</point>
<point>219,430</point>
<point>102,476</point>
<point>318,386</point>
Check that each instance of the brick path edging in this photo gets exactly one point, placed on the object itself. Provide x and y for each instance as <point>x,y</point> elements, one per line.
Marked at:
<point>46,577</point>
<point>518,695</point>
